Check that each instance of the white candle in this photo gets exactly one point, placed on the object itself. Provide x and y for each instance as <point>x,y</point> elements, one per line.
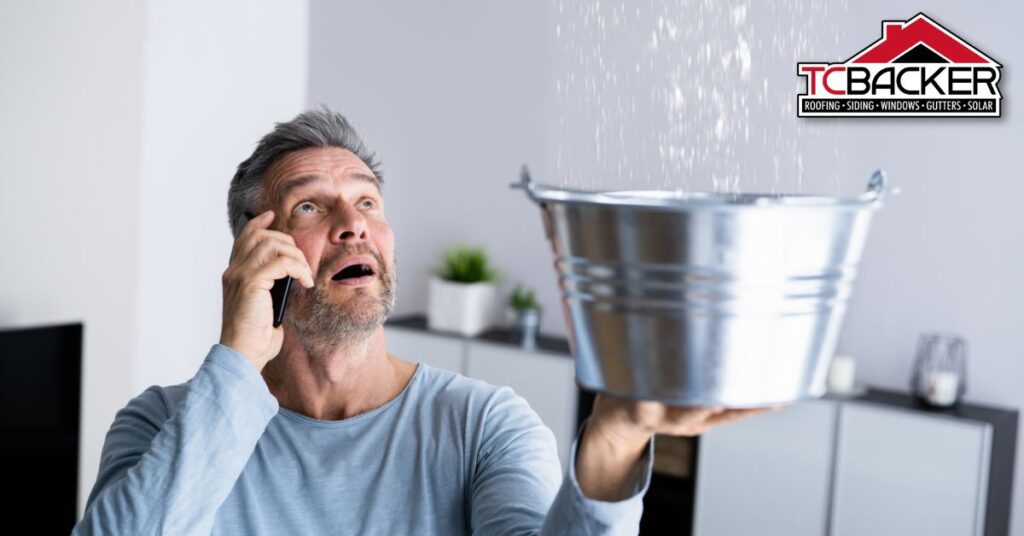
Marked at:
<point>942,388</point>
<point>841,375</point>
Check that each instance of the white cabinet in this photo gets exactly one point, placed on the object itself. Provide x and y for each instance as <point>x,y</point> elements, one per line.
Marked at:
<point>899,473</point>
<point>877,465</point>
<point>414,345</point>
<point>767,474</point>
<point>547,381</point>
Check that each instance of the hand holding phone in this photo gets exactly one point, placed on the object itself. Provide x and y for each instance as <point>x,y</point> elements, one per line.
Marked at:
<point>263,261</point>
<point>279,293</point>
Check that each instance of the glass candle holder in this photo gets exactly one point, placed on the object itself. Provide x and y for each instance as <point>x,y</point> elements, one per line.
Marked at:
<point>525,323</point>
<point>940,369</point>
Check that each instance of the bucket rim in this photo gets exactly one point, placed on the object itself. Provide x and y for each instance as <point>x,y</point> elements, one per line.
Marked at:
<point>680,200</point>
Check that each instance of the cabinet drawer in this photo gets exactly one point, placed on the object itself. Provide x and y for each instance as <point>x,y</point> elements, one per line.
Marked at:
<point>768,474</point>
<point>900,473</point>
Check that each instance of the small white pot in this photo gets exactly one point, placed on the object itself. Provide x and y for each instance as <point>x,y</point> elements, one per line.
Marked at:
<point>463,308</point>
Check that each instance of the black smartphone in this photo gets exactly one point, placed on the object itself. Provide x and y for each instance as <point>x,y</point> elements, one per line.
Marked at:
<point>279,293</point>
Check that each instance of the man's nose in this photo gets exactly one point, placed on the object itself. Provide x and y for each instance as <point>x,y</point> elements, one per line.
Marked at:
<point>349,224</point>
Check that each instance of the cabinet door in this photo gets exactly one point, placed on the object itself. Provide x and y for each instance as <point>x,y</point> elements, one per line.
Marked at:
<point>900,473</point>
<point>547,382</point>
<point>767,474</point>
<point>437,351</point>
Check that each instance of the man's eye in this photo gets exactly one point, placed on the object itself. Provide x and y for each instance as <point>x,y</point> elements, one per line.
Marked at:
<point>305,208</point>
<point>368,203</point>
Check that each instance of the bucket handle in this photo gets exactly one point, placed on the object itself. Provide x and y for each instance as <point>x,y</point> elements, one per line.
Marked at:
<point>877,187</point>
<point>525,182</point>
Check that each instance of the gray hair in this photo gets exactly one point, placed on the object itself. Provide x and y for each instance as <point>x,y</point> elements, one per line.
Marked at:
<point>312,128</point>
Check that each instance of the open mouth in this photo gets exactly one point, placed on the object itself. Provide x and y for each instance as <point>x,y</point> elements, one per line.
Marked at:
<point>354,272</point>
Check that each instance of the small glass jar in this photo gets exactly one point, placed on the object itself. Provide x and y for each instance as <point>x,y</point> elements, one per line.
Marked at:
<point>940,369</point>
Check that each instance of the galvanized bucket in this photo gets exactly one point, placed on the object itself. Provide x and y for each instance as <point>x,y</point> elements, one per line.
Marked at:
<point>700,299</point>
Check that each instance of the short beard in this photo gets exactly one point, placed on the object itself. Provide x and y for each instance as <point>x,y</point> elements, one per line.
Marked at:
<point>322,325</point>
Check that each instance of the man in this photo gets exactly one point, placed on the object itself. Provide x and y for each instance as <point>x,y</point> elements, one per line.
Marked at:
<point>314,428</point>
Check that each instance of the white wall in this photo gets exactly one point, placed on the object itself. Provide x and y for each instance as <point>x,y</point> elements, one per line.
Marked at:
<point>69,197</point>
<point>217,76</point>
<point>123,124</point>
<point>455,95</point>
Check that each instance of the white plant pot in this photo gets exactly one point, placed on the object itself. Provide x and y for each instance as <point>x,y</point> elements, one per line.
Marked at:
<point>463,308</point>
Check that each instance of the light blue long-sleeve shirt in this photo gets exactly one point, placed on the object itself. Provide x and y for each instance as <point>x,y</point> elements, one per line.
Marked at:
<point>449,455</point>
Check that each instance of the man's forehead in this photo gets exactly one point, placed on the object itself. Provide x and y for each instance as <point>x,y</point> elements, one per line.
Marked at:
<point>316,167</point>
<point>292,185</point>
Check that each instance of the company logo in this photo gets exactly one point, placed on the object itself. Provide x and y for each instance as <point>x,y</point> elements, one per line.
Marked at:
<point>917,69</point>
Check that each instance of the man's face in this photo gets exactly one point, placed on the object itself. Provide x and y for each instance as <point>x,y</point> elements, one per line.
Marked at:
<point>329,201</point>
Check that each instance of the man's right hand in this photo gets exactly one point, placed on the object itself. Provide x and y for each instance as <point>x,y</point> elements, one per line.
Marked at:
<point>260,256</point>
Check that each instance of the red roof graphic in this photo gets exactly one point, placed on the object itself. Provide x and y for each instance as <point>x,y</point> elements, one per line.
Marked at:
<point>899,37</point>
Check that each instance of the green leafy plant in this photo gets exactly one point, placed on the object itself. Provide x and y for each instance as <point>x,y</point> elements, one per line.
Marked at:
<point>464,264</point>
<point>522,299</point>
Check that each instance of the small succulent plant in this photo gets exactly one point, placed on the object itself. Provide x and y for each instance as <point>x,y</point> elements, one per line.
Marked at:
<point>522,299</point>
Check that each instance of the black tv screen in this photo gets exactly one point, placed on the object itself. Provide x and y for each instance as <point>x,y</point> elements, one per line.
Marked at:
<point>40,396</point>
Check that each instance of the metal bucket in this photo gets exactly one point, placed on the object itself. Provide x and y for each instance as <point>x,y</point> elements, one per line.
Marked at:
<point>700,299</point>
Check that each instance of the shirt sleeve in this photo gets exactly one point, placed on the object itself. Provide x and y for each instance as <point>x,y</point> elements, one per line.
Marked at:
<point>167,469</point>
<point>574,513</point>
<point>516,482</point>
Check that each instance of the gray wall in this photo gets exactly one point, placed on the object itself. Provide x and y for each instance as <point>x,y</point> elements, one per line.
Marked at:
<point>456,95</point>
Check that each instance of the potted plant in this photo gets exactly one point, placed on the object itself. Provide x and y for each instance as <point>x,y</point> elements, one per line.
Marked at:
<point>462,292</point>
<point>524,313</point>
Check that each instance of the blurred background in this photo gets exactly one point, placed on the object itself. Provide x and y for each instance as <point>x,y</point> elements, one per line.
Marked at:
<point>123,123</point>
